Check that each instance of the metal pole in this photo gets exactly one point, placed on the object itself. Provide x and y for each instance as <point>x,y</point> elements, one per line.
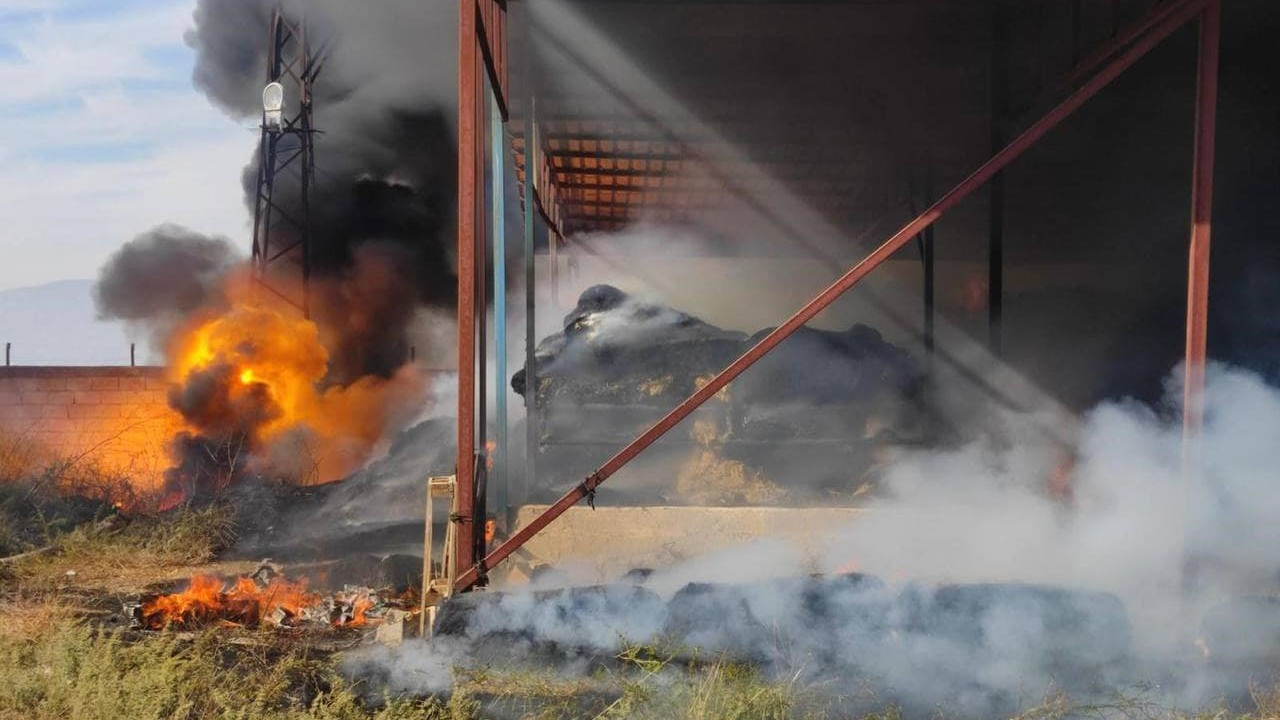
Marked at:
<point>532,160</point>
<point>553,256</point>
<point>498,216</point>
<point>308,169</point>
<point>1201,226</point>
<point>7,347</point>
<point>428,514</point>
<point>133,355</point>
<point>468,61</point>
<point>966,187</point>
<point>479,504</point>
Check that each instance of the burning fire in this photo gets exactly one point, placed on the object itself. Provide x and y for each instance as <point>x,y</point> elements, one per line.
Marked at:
<point>250,383</point>
<point>248,603</point>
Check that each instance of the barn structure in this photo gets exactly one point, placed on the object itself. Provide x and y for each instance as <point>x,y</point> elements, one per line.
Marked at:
<point>985,173</point>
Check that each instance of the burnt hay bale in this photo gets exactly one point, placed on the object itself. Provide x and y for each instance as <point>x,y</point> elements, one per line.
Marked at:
<point>718,619</point>
<point>996,635</point>
<point>821,619</point>
<point>595,617</point>
<point>1242,635</point>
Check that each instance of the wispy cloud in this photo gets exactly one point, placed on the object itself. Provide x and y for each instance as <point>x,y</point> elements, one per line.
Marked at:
<point>102,134</point>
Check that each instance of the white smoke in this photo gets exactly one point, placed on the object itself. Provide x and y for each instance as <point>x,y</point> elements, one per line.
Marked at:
<point>1138,528</point>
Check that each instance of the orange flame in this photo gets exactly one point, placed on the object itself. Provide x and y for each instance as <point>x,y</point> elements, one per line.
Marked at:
<point>297,426</point>
<point>207,600</point>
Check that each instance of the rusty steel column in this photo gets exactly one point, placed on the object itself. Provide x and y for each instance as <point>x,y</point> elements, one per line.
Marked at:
<point>484,261</point>
<point>468,151</point>
<point>1001,160</point>
<point>1201,226</point>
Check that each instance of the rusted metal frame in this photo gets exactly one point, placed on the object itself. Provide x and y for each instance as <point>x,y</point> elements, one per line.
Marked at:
<point>834,195</point>
<point>1201,227</point>
<point>683,163</point>
<point>484,261</point>
<point>977,179</point>
<point>802,182</point>
<point>624,156</point>
<point>468,182</point>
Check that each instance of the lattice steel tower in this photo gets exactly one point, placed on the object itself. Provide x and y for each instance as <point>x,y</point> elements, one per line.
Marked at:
<point>286,162</point>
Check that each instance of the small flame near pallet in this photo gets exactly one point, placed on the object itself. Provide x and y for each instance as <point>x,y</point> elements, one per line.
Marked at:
<point>263,599</point>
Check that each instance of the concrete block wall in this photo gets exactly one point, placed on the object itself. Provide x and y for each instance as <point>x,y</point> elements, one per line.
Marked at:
<point>113,418</point>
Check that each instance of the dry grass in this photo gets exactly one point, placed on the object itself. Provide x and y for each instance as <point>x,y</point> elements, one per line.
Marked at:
<point>76,673</point>
<point>646,683</point>
<point>131,555</point>
<point>29,617</point>
<point>53,666</point>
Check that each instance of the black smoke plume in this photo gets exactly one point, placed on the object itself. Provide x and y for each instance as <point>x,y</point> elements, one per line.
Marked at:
<point>380,213</point>
<point>382,203</point>
<point>162,275</point>
<point>209,461</point>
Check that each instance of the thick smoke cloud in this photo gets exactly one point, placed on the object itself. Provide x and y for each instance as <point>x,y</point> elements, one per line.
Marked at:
<point>162,275</point>
<point>983,591</point>
<point>382,203</point>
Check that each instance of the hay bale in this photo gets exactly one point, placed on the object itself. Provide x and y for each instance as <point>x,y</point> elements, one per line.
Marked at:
<point>599,616</point>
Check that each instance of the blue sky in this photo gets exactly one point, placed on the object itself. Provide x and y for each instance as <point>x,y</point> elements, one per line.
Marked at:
<point>102,135</point>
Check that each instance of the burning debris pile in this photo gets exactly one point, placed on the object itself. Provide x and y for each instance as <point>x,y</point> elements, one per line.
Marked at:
<point>262,599</point>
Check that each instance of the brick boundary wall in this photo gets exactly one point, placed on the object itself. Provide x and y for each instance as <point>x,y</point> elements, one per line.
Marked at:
<point>115,419</point>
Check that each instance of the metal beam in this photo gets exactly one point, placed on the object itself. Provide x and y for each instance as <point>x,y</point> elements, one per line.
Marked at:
<point>1201,225</point>
<point>531,417</point>
<point>1001,160</point>
<point>468,152</point>
<point>497,218</point>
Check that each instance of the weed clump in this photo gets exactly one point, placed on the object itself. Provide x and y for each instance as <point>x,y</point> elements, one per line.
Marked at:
<point>79,673</point>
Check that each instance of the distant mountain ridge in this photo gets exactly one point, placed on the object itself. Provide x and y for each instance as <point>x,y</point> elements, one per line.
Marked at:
<point>57,324</point>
